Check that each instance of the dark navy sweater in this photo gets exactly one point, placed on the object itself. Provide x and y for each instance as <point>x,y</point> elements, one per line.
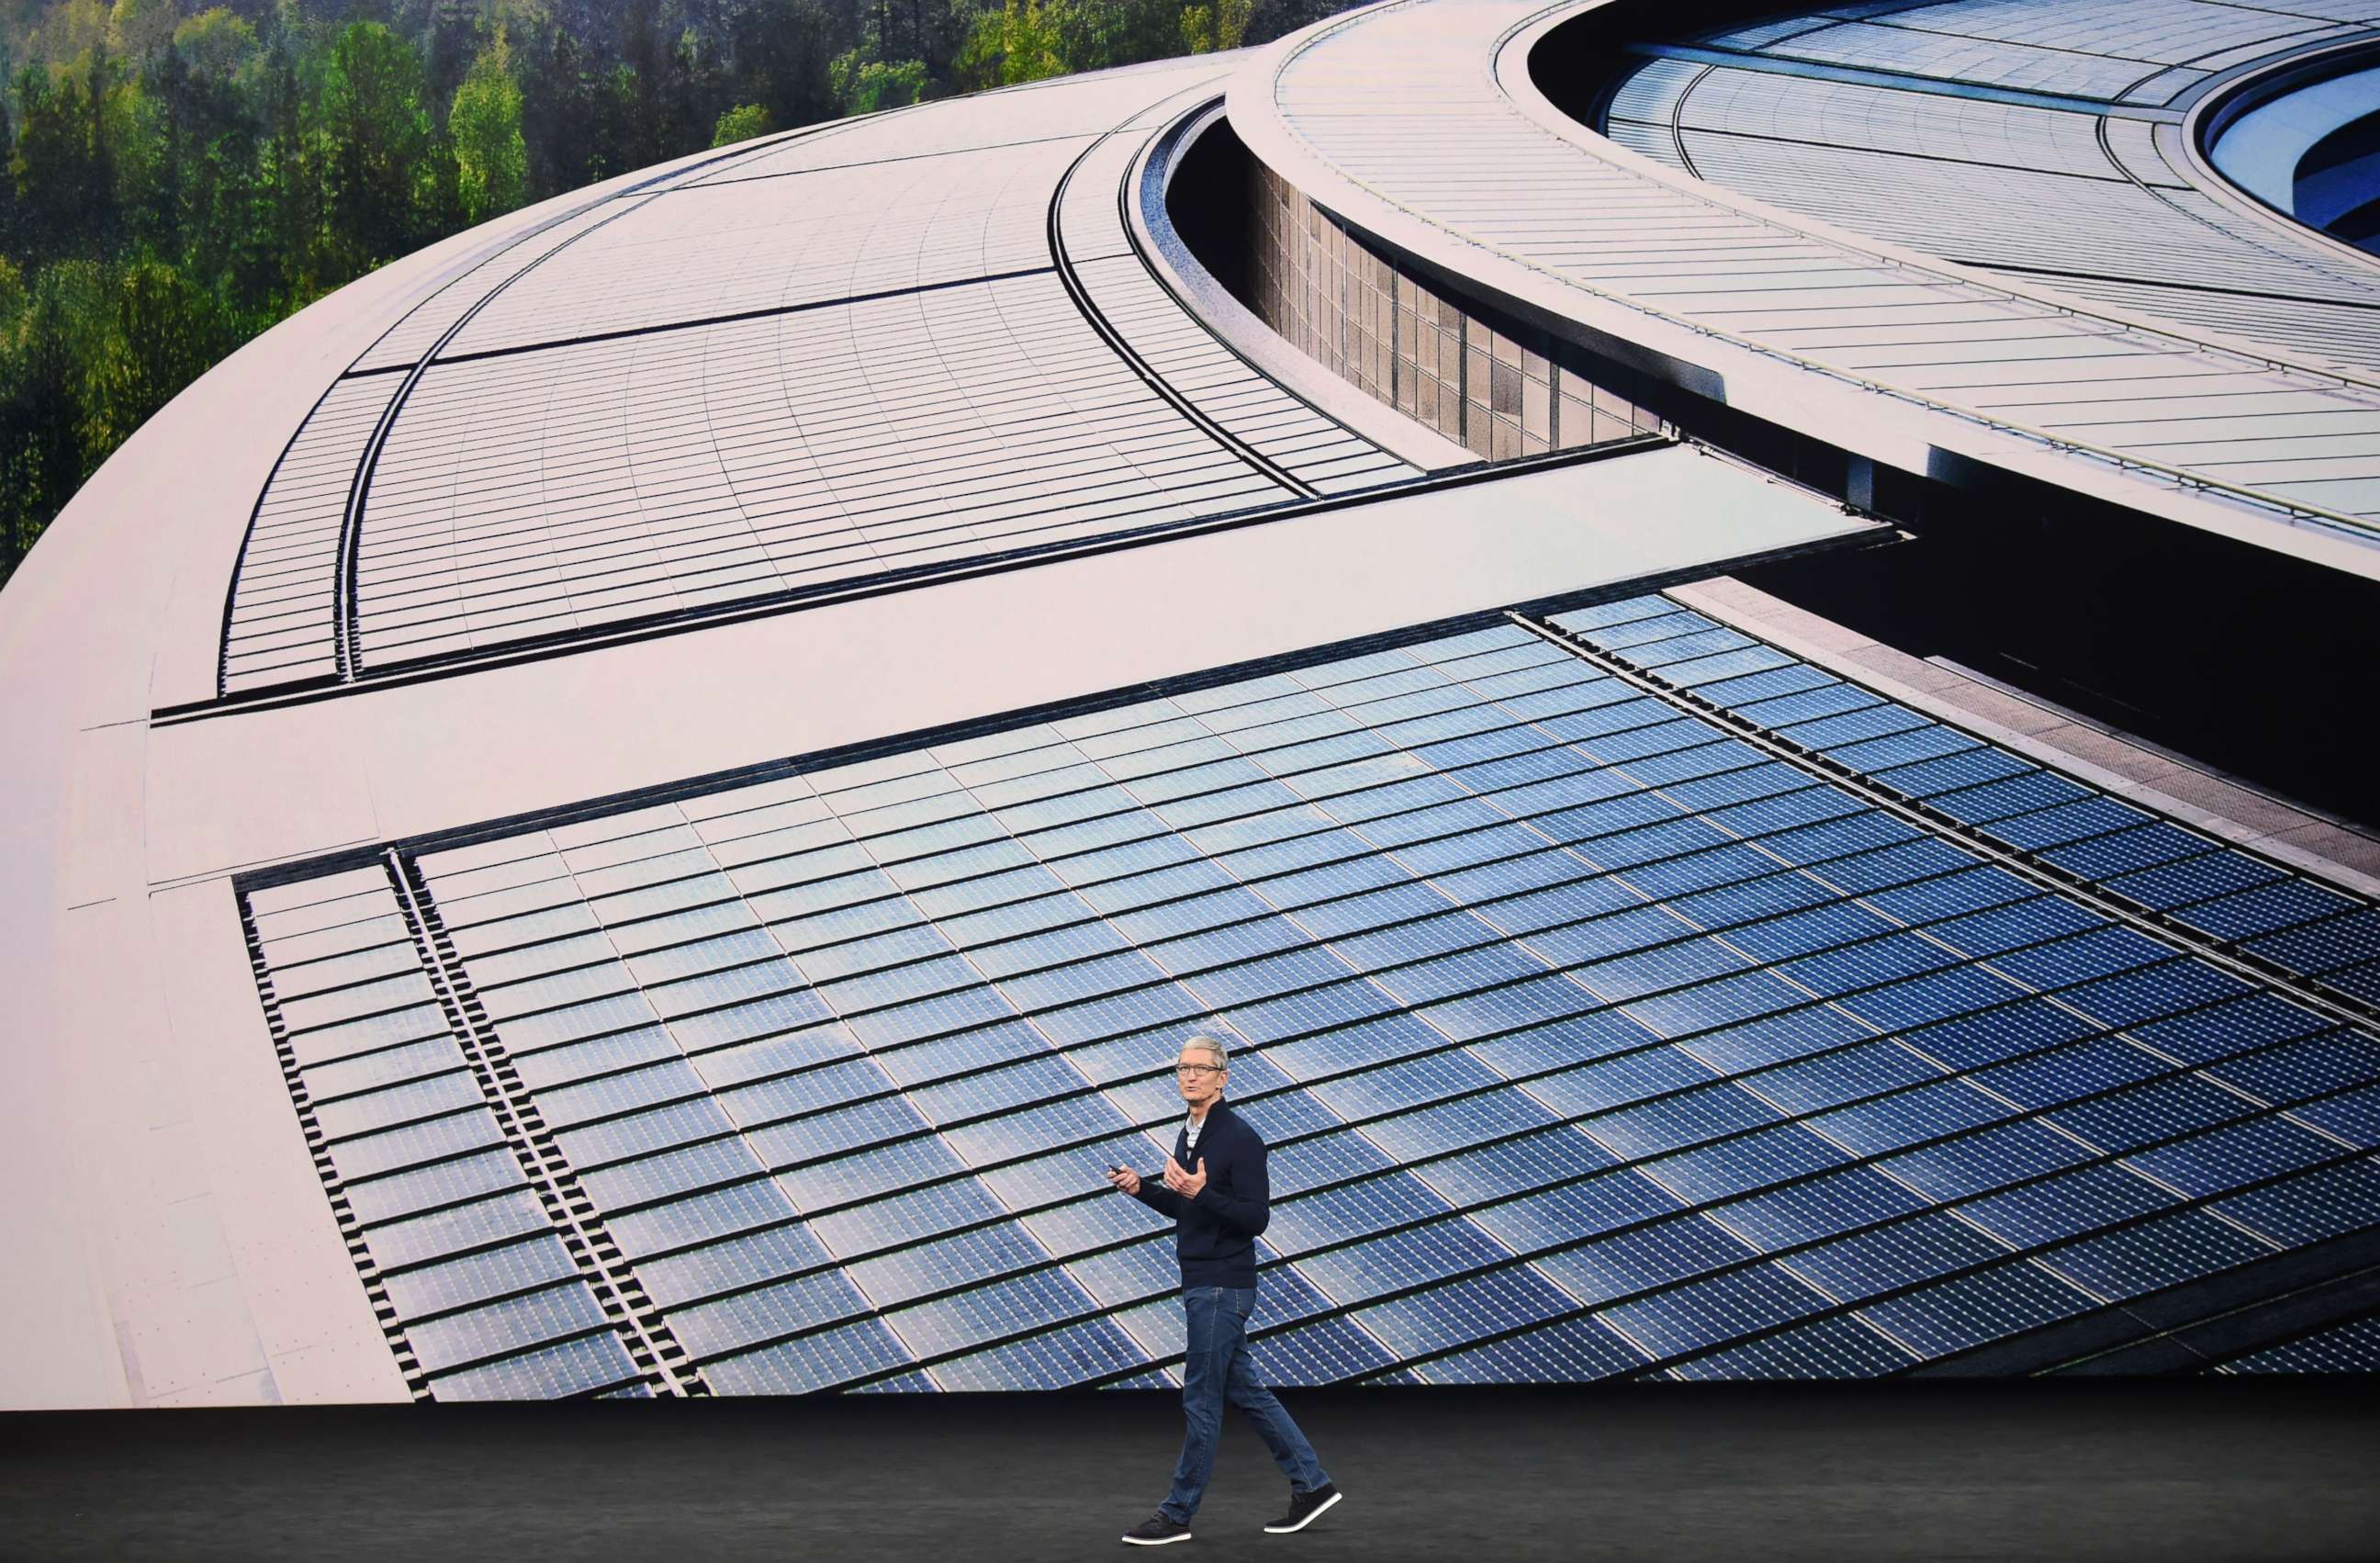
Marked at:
<point>1215,1234</point>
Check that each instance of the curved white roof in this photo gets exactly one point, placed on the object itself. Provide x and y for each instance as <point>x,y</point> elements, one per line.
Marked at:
<point>1760,282</point>
<point>865,352</point>
<point>652,856</point>
<point>2104,198</point>
<point>698,389</point>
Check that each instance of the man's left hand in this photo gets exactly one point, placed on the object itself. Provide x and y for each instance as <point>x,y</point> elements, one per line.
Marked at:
<point>1185,1184</point>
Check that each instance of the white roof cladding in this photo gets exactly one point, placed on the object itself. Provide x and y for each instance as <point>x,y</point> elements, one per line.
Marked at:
<point>869,350</point>
<point>1887,350</point>
<point>170,1241</point>
<point>2107,201</point>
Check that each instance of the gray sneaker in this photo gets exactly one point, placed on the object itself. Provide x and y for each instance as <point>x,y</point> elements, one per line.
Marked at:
<point>1156,1530</point>
<point>1303,1509</point>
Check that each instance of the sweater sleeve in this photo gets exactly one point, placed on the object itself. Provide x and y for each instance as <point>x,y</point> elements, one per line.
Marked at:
<point>1249,1209</point>
<point>1159,1198</point>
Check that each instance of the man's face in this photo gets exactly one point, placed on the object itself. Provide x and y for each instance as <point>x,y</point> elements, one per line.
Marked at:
<point>1196,1073</point>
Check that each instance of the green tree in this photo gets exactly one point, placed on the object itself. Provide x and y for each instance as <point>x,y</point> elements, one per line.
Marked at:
<point>1221,25</point>
<point>491,157</point>
<point>163,332</point>
<point>137,26</point>
<point>642,93</point>
<point>1093,34</point>
<point>215,44</point>
<point>778,55</point>
<point>680,117</point>
<point>150,126</point>
<point>43,457</point>
<point>450,44</point>
<point>290,200</point>
<point>376,140</point>
<point>865,86</point>
<point>437,195</point>
<point>741,123</point>
<point>72,30</point>
<point>557,108</point>
<point>1019,42</point>
<point>17,517</point>
<point>64,165</point>
<point>214,110</point>
<point>7,190</point>
<point>615,128</point>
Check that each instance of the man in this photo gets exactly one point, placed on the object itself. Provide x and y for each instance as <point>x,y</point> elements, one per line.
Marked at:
<point>1214,1188</point>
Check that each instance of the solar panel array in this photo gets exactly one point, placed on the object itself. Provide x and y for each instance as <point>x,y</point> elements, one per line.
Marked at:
<point>471,1249</point>
<point>2254,402</point>
<point>2353,1346</point>
<point>2250,905</point>
<point>853,354</point>
<point>1607,1005</point>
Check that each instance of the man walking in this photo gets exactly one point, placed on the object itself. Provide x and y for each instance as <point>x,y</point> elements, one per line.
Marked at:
<point>1214,1188</point>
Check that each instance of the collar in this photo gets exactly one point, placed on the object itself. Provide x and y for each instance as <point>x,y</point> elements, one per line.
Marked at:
<point>1215,1115</point>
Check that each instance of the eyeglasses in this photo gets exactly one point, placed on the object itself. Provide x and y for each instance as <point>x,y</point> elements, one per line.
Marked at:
<point>1197,1068</point>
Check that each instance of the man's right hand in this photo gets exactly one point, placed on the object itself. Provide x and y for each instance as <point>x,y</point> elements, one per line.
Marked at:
<point>1125,1178</point>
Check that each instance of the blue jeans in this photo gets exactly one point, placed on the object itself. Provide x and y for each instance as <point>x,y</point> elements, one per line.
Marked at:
<point>1217,1369</point>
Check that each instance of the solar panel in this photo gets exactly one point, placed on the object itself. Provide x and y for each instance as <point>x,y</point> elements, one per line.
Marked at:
<point>1814,1075</point>
<point>441,1198</point>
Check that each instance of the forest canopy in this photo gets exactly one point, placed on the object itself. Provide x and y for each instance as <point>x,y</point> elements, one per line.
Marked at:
<point>178,175</point>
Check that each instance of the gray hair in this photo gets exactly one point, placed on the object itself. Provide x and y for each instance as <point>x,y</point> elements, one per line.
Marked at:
<point>1208,1045</point>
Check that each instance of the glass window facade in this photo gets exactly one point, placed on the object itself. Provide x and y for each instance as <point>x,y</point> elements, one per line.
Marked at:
<point>1501,391</point>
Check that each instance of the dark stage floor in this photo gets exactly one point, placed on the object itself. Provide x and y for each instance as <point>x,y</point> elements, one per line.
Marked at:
<point>2119,1471</point>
